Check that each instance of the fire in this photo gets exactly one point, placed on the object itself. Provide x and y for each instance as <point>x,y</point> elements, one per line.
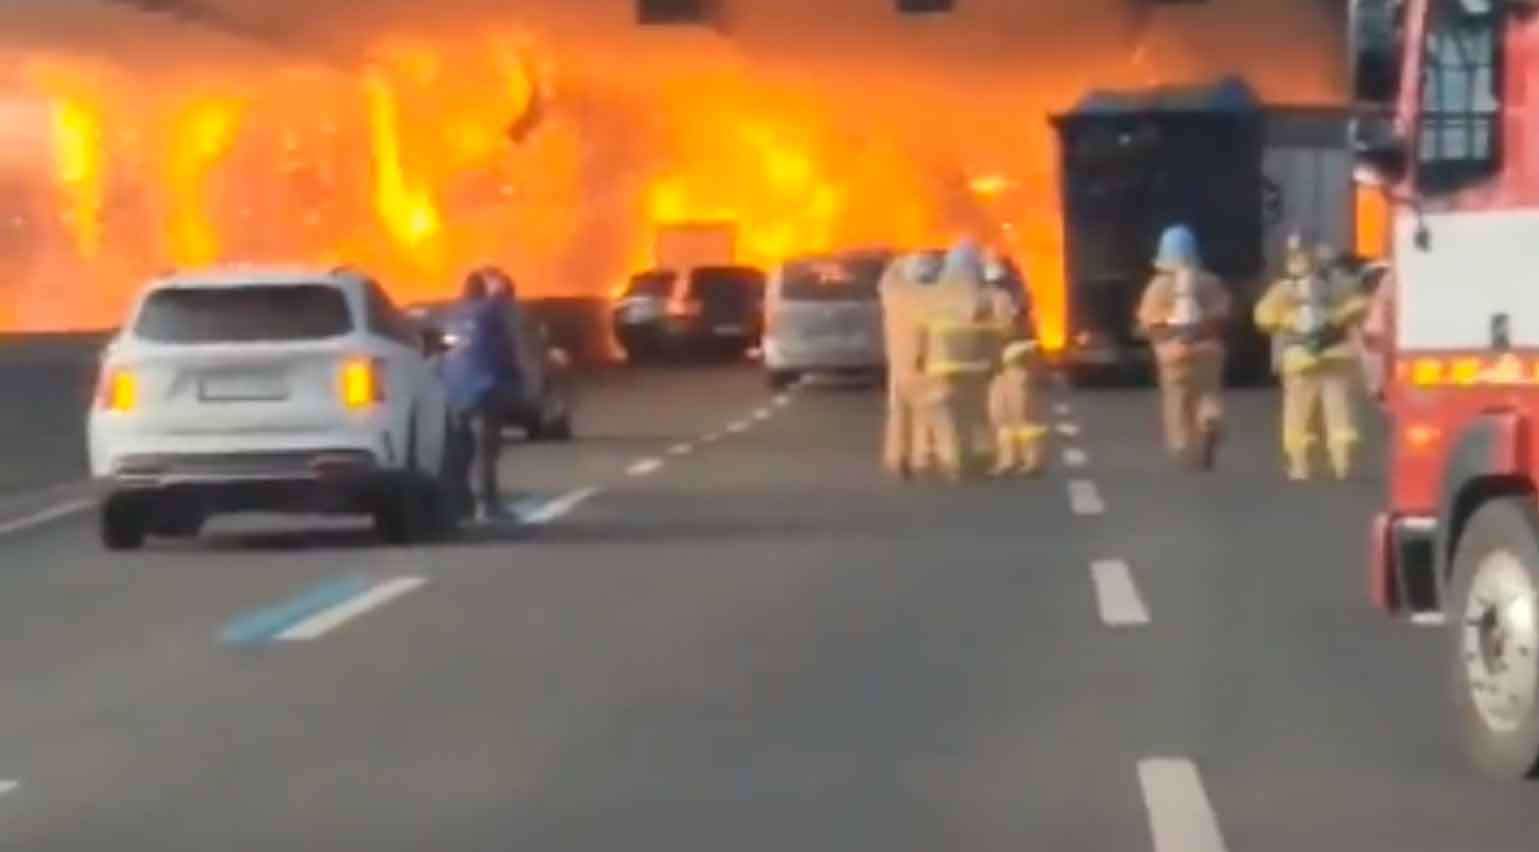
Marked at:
<point>202,133</point>
<point>406,210</point>
<point>79,167</point>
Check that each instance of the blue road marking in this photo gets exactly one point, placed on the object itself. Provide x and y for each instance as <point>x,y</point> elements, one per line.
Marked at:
<point>263,625</point>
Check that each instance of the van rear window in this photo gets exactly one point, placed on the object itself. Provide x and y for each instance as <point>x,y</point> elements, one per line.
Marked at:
<point>244,314</point>
<point>832,280</point>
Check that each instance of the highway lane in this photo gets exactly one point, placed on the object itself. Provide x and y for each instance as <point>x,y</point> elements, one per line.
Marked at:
<point>756,641</point>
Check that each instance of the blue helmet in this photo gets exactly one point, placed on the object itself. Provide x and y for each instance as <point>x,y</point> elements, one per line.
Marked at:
<point>966,260</point>
<point>1178,248</point>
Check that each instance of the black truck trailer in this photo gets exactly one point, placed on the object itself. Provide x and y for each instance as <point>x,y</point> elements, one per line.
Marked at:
<point>1133,163</point>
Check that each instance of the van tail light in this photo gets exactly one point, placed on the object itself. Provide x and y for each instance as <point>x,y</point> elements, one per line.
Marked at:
<point>363,382</point>
<point>119,390</point>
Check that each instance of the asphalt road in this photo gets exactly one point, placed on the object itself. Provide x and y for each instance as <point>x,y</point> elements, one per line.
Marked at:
<point>730,632</point>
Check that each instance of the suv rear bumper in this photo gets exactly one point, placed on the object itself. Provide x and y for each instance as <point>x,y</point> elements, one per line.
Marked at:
<point>324,480</point>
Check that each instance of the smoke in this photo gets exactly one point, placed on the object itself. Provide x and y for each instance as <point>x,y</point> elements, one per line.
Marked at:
<point>418,139</point>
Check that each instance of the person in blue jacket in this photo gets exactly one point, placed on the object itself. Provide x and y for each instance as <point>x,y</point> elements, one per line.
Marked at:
<point>482,374</point>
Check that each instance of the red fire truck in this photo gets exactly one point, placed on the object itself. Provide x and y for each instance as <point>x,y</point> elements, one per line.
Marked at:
<point>1456,147</point>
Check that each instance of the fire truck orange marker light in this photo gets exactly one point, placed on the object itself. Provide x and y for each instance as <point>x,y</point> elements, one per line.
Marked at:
<point>1420,435</point>
<point>1427,371</point>
<point>1466,371</point>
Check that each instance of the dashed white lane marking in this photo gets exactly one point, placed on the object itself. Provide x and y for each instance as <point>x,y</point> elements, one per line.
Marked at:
<point>327,620</point>
<point>1061,409</point>
<point>761,414</point>
<point>643,467</point>
<point>737,426</point>
<point>1084,499</point>
<point>783,400</point>
<point>1116,595</point>
<point>1069,429</point>
<point>710,438</point>
<point>1075,457</point>
<point>1428,619</point>
<point>681,449</point>
<point>52,513</point>
<point>559,506</point>
<point>1181,818</point>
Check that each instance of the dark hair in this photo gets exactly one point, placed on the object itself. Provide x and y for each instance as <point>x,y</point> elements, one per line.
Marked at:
<point>475,286</point>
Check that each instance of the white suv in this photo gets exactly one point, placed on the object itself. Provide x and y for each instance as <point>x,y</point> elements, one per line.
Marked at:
<point>262,389</point>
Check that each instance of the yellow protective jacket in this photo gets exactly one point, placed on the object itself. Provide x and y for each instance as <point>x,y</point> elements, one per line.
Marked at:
<point>1158,303</point>
<point>962,335</point>
<point>1278,310</point>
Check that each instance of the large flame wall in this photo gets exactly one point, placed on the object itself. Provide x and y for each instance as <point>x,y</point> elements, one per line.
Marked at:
<point>555,151</point>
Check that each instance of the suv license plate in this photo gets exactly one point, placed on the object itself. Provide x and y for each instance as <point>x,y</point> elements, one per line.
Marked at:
<point>242,387</point>
<point>728,328</point>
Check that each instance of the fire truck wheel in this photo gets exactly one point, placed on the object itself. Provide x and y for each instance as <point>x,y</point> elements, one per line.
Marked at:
<point>1493,637</point>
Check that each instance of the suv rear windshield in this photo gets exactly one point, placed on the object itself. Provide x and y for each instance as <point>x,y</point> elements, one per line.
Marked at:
<point>832,280</point>
<point>725,282</point>
<point>656,284</point>
<point>244,314</point>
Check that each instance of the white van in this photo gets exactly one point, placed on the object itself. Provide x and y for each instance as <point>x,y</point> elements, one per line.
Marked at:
<point>823,314</point>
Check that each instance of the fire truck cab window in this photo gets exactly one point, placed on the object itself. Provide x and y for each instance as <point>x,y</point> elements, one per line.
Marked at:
<point>1460,96</point>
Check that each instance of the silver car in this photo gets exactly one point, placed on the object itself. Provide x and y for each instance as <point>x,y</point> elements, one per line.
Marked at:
<point>824,315</point>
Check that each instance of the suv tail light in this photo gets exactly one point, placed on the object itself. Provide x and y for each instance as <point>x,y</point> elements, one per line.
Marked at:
<point>119,390</point>
<point>363,382</point>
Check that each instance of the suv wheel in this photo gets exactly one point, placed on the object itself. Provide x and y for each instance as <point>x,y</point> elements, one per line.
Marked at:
<point>121,523</point>
<point>400,514</point>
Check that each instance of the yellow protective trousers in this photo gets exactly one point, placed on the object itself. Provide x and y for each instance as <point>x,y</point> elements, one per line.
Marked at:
<point>1329,387</point>
<point>1190,401</point>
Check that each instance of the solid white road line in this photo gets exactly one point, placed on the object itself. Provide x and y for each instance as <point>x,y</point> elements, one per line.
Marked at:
<point>327,620</point>
<point>761,414</point>
<point>1116,595</point>
<point>644,467</point>
<point>1428,619</point>
<point>559,506</point>
<point>1075,457</point>
<point>52,513</point>
<point>1061,409</point>
<point>1084,499</point>
<point>1180,816</point>
<point>737,426</point>
<point>681,449</point>
<point>1069,429</point>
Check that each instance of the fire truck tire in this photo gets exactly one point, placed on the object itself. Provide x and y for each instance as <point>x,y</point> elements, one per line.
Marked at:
<point>1492,613</point>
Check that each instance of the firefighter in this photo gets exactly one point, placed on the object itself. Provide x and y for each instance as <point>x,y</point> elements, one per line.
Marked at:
<point>1183,311</point>
<point>1313,312</point>
<point>958,348</point>
<point>904,285</point>
<point>1013,411</point>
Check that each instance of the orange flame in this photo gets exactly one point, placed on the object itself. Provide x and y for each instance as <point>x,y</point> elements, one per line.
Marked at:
<point>79,167</point>
<point>202,133</point>
<point>407,211</point>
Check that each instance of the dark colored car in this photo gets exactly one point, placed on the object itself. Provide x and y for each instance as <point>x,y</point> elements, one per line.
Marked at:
<point>706,310</point>
<point>545,411</point>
